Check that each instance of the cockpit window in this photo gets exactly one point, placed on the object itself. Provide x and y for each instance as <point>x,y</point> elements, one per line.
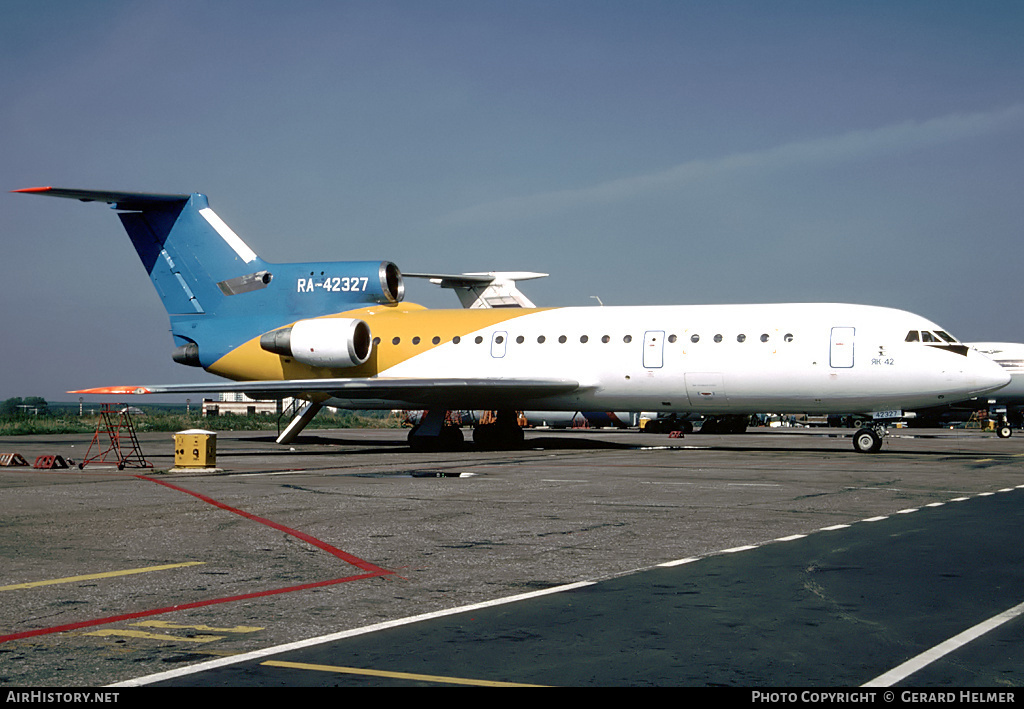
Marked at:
<point>926,336</point>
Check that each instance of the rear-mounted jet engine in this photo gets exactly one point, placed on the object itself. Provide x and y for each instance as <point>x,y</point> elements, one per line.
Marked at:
<point>324,342</point>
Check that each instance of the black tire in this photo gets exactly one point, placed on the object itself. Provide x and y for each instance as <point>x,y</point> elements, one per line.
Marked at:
<point>867,441</point>
<point>1004,430</point>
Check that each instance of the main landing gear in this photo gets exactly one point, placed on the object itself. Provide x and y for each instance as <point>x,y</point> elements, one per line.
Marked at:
<point>434,433</point>
<point>504,433</point>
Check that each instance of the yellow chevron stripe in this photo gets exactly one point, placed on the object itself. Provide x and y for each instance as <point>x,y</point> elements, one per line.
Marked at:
<point>406,321</point>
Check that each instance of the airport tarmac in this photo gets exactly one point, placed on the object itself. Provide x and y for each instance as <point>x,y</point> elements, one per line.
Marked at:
<point>772,558</point>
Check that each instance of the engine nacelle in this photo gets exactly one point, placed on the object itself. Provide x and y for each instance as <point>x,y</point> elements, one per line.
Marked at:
<point>324,342</point>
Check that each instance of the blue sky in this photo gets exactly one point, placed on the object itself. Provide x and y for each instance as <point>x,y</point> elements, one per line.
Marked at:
<point>645,152</point>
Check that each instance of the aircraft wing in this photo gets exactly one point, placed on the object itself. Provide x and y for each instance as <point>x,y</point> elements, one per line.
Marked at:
<point>451,393</point>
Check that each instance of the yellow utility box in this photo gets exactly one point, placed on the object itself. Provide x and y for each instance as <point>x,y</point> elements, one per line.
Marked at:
<point>195,448</point>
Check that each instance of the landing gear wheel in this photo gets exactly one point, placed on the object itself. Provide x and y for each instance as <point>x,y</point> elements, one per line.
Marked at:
<point>866,440</point>
<point>492,436</point>
<point>1004,430</point>
<point>449,439</point>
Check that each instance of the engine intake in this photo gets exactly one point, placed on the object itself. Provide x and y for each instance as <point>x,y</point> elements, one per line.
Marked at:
<point>323,342</point>
<point>391,283</point>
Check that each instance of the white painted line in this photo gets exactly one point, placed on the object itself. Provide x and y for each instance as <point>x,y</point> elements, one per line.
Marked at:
<point>791,537</point>
<point>266,652</point>
<point>906,512</point>
<point>680,562</point>
<point>748,547</point>
<point>835,527</point>
<point>929,656</point>
<point>935,504</point>
<point>876,519</point>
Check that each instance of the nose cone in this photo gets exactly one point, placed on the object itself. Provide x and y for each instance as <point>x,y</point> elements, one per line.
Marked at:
<point>984,375</point>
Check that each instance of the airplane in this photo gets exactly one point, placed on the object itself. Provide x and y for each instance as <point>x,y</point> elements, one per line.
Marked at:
<point>339,334</point>
<point>494,289</point>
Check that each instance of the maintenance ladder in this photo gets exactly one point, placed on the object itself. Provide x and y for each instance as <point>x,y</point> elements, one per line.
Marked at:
<point>116,426</point>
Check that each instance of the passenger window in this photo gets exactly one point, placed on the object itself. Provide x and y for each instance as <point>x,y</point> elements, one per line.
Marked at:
<point>606,339</point>
<point>520,339</point>
<point>627,339</point>
<point>456,340</point>
<point>788,337</point>
<point>416,340</point>
<point>541,339</point>
<point>741,338</point>
<point>436,340</point>
<point>764,337</point>
<point>584,339</point>
<point>718,338</point>
<point>671,338</point>
<point>478,339</point>
<point>694,338</point>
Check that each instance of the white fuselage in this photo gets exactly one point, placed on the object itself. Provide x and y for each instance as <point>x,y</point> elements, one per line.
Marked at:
<point>814,358</point>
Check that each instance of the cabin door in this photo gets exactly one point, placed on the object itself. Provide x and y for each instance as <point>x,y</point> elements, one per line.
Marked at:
<point>654,349</point>
<point>841,350</point>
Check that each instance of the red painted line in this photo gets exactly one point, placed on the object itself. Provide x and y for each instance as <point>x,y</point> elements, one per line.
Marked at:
<point>343,555</point>
<point>371,570</point>
<point>184,606</point>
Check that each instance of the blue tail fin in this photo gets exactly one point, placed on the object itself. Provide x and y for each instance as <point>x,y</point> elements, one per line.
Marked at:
<point>217,292</point>
<point>194,259</point>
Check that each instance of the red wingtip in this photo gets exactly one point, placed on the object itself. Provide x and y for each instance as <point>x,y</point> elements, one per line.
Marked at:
<point>34,189</point>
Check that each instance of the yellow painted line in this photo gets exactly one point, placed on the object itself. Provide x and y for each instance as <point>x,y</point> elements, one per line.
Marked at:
<point>92,577</point>
<point>395,675</point>
<point>175,626</point>
<point>154,636</point>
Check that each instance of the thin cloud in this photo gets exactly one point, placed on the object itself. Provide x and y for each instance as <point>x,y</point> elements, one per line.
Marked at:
<point>855,145</point>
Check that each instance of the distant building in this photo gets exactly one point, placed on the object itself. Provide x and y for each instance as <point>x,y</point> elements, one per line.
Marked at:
<point>241,405</point>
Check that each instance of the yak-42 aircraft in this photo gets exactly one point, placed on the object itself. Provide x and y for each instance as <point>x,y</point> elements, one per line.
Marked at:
<point>338,334</point>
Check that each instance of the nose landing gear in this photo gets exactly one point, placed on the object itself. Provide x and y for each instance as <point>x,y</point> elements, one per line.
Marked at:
<point>869,439</point>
